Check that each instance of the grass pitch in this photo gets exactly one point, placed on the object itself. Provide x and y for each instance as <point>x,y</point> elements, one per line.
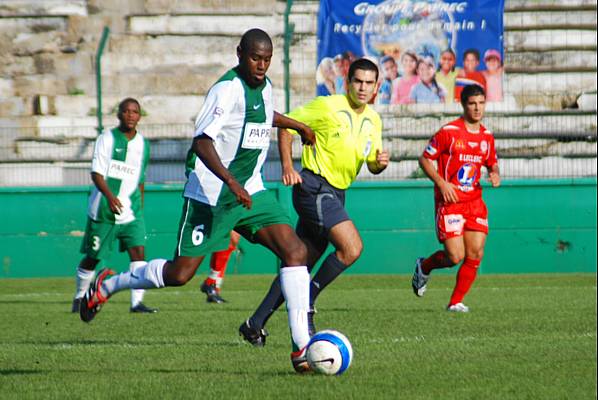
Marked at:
<point>526,337</point>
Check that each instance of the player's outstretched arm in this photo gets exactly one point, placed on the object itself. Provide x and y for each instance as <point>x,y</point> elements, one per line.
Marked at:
<point>285,149</point>
<point>308,136</point>
<point>494,175</point>
<point>203,147</point>
<point>113,201</point>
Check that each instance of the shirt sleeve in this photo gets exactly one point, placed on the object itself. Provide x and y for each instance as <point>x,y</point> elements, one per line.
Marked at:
<point>312,114</point>
<point>146,157</point>
<point>102,154</point>
<point>435,145</point>
<point>491,158</point>
<point>215,110</point>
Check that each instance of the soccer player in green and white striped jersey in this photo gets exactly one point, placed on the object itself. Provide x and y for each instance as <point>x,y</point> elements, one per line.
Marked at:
<point>225,191</point>
<point>115,210</point>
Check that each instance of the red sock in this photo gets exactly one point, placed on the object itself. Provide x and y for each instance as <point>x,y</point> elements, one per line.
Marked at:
<point>465,277</point>
<point>436,260</point>
<point>218,263</point>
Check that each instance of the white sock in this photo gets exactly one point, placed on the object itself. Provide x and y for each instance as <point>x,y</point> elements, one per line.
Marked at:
<point>136,294</point>
<point>83,281</point>
<point>148,276</point>
<point>294,282</point>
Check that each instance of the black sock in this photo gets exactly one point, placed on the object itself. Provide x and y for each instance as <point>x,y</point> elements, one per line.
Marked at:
<point>271,302</point>
<point>329,270</point>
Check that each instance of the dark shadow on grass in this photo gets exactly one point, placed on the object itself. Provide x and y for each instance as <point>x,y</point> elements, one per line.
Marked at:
<point>10,372</point>
<point>148,343</point>
<point>228,372</point>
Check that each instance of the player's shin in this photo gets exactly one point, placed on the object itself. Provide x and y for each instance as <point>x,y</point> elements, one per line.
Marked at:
<point>83,280</point>
<point>331,268</point>
<point>295,288</point>
<point>136,294</point>
<point>269,304</point>
<point>465,278</point>
<point>148,276</point>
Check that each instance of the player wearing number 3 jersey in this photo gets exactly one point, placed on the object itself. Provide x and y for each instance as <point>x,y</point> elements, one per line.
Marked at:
<point>461,149</point>
<point>115,210</point>
<point>225,191</point>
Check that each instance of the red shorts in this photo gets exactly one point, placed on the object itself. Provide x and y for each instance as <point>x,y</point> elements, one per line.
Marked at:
<point>452,219</point>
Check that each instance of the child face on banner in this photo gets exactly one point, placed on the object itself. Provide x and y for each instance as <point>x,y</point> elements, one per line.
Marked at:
<point>492,64</point>
<point>409,64</point>
<point>426,71</point>
<point>447,62</point>
<point>470,62</point>
<point>390,70</point>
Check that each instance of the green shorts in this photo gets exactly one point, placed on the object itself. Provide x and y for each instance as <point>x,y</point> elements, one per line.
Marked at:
<point>100,237</point>
<point>204,229</point>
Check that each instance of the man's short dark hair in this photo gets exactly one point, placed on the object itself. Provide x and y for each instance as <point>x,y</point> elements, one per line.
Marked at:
<point>252,36</point>
<point>123,104</point>
<point>364,64</point>
<point>475,53</point>
<point>471,90</point>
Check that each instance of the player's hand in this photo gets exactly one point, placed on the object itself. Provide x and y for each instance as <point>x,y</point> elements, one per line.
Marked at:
<point>115,205</point>
<point>494,178</point>
<point>290,177</point>
<point>308,136</point>
<point>449,192</point>
<point>382,158</point>
<point>243,197</point>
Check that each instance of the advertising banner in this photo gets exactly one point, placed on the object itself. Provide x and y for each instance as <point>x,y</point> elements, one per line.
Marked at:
<point>427,50</point>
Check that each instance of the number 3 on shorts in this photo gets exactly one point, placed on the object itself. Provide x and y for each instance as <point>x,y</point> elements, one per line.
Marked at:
<point>95,246</point>
<point>197,235</point>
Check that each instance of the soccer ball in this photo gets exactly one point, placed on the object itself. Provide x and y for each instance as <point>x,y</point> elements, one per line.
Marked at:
<point>329,352</point>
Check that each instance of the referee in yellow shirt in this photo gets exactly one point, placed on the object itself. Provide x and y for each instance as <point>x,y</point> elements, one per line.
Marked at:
<point>348,134</point>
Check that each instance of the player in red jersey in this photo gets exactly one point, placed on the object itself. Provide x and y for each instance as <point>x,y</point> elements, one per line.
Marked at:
<point>460,148</point>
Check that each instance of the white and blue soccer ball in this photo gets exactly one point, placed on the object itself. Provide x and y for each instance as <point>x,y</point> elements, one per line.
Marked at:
<point>329,352</point>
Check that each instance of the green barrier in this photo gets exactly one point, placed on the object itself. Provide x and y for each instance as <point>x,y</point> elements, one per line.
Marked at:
<point>535,226</point>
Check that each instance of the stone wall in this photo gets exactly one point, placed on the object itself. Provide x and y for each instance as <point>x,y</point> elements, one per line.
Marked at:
<point>168,53</point>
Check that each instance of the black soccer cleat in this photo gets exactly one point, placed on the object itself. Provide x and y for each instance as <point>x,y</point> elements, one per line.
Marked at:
<point>143,309</point>
<point>255,336</point>
<point>91,303</point>
<point>212,295</point>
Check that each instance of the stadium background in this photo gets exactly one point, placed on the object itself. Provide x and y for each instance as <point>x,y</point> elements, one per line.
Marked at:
<point>167,54</point>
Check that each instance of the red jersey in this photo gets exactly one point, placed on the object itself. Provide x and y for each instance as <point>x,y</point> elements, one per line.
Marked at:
<point>460,155</point>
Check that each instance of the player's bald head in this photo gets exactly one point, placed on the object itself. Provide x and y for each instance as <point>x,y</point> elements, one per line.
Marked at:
<point>254,37</point>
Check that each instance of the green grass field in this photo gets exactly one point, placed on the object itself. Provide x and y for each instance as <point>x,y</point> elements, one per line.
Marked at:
<point>527,337</point>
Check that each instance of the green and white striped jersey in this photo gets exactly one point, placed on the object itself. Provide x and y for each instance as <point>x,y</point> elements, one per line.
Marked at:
<point>239,119</point>
<point>122,163</point>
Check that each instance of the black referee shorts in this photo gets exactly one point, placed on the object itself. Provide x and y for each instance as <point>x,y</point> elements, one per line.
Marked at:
<point>320,206</point>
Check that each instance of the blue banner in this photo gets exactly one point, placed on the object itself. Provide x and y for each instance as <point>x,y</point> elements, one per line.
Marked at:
<point>427,50</point>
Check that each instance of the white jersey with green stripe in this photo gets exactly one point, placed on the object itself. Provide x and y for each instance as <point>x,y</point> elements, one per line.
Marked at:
<point>122,163</point>
<point>238,118</point>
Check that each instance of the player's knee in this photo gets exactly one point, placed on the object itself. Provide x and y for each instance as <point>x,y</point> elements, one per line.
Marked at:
<point>295,253</point>
<point>455,258</point>
<point>476,254</point>
<point>350,255</point>
<point>177,277</point>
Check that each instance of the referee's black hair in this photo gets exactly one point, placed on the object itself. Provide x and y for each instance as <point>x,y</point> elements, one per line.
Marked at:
<point>363,64</point>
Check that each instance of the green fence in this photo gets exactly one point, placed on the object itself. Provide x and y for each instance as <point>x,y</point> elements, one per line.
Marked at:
<point>535,226</point>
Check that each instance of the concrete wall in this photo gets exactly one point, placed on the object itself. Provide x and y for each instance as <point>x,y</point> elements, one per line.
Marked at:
<point>536,226</point>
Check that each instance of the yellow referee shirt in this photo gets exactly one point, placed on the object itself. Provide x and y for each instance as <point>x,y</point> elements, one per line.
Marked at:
<point>344,139</point>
